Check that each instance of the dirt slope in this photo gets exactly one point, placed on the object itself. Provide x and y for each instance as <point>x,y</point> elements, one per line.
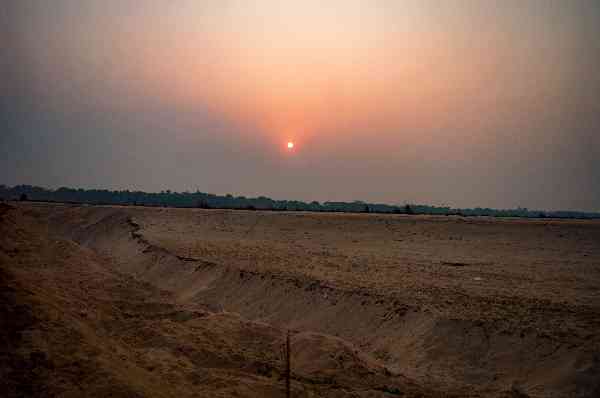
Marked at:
<point>74,325</point>
<point>477,307</point>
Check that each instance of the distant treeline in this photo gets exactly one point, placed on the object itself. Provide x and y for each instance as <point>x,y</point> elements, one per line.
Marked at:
<point>211,201</point>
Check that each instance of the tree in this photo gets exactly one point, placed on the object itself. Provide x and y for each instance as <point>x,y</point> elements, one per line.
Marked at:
<point>203,204</point>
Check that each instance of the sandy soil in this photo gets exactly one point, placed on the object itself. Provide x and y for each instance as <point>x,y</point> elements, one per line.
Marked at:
<point>161,302</point>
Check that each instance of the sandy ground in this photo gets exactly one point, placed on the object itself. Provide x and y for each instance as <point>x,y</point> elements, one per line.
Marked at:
<point>136,301</point>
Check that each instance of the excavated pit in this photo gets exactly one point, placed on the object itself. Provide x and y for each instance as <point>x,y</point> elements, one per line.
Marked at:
<point>487,345</point>
<point>78,322</point>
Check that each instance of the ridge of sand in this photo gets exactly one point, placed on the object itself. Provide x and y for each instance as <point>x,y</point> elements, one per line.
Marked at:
<point>74,325</point>
<point>415,307</point>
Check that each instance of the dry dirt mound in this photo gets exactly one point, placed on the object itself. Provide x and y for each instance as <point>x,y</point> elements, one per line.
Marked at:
<point>485,344</point>
<point>490,345</point>
<point>74,324</point>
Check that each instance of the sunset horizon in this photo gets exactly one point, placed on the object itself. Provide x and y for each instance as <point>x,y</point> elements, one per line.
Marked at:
<point>465,104</point>
<point>315,198</point>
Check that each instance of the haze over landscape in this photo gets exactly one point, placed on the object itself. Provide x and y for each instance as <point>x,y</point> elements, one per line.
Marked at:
<point>464,103</point>
<point>316,199</point>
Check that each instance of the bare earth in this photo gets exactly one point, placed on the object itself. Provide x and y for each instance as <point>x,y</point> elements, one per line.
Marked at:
<point>151,302</point>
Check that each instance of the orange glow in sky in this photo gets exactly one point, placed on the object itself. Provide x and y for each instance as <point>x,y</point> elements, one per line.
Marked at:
<point>348,69</point>
<point>420,92</point>
<point>418,76</point>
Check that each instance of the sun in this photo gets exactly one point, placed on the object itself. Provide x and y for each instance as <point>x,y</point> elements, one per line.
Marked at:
<point>290,145</point>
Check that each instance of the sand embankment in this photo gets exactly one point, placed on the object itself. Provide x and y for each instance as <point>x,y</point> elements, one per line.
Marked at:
<point>478,339</point>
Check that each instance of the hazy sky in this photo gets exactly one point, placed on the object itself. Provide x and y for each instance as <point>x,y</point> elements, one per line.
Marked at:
<point>463,103</point>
